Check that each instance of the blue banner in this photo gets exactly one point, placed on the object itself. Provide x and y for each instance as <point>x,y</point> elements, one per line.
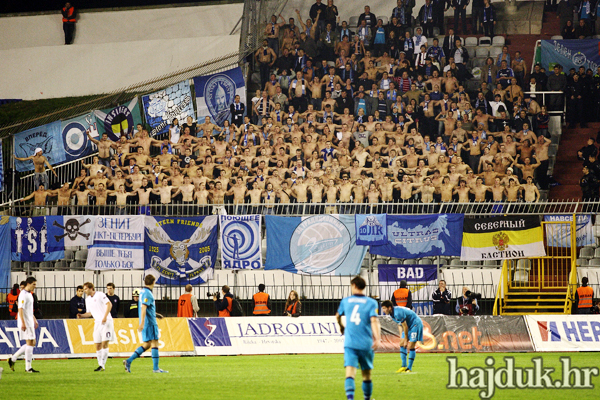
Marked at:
<point>118,121</point>
<point>559,235</point>
<point>371,229</point>
<point>421,281</point>
<point>240,241</point>
<point>160,108</point>
<point>30,241</point>
<point>317,245</point>
<point>209,332</point>
<point>571,54</point>
<point>417,236</point>
<point>74,137</point>
<point>51,338</point>
<point>47,138</point>
<point>179,251</point>
<point>1,169</point>
<point>4,255</point>
<point>215,93</point>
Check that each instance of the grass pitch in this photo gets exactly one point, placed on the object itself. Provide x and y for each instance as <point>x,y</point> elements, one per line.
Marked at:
<point>314,377</point>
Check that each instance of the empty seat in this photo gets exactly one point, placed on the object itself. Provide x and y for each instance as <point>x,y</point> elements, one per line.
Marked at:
<point>485,41</point>
<point>521,275</point>
<point>76,266</point>
<point>478,62</point>
<point>425,261</point>
<point>30,266</point>
<point>471,41</point>
<point>16,266</point>
<point>581,262</point>
<point>594,262</point>
<point>597,231</point>
<point>524,264</point>
<point>456,261</point>
<point>597,253</point>
<point>46,266</point>
<point>410,261</point>
<point>353,22</point>
<point>557,37</point>
<point>495,51</point>
<point>472,263</point>
<point>482,52</point>
<point>498,41</point>
<point>61,265</point>
<point>69,255</point>
<point>81,255</point>
<point>586,253</point>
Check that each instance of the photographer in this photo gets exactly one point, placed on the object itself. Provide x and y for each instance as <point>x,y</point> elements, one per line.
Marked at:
<point>223,306</point>
<point>467,303</point>
<point>441,299</point>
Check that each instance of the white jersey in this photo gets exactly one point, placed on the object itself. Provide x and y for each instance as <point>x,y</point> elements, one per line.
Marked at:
<point>97,306</point>
<point>25,301</point>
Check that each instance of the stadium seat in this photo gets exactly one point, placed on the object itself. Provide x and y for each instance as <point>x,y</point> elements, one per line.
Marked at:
<point>482,52</point>
<point>586,253</point>
<point>596,230</point>
<point>426,261</point>
<point>410,261</point>
<point>30,266</point>
<point>478,62</point>
<point>485,41</point>
<point>16,266</point>
<point>594,262</point>
<point>81,255</point>
<point>581,262</point>
<point>46,266</point>
<point>61,265</point>
<point>353,22</point>
<point>69,255</point>
<point>76,266</point>
<point>384,19</point>
<point>471,41</point>
<point>498,41</point>
<point>524,264</point>
<point>494,51</point>
<point>456,262</point>
<point>597,252</point>
<point>474,263</point>
<point>436,32</point>
<point>557,37</point>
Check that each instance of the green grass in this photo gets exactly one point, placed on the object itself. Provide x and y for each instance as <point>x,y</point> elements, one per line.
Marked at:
<point>268,377</point>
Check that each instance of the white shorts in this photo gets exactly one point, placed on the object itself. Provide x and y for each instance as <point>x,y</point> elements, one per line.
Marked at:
<point>104,332</point>
<point>27,334</point>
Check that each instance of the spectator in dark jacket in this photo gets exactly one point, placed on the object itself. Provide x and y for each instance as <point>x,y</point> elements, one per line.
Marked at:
<point>568,31</point>
<point>564,13</point>
<point>132,309</point>
<point>588,150</point>
<point>441,299</point>
<point>582,30</point>
<point>114,300</point>
<point>224,305</point>
<point>77,305</point>
<point>556,82</point>
<point>369,18</point>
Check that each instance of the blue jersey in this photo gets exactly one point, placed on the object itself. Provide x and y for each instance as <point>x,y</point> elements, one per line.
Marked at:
<point>402,314</point>
<point>358,310</point>
<point>147,299</point>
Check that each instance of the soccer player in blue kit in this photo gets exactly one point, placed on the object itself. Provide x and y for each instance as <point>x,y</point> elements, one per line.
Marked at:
<point>148,326</point>
<point>361,336</point>
<point>411,328</point>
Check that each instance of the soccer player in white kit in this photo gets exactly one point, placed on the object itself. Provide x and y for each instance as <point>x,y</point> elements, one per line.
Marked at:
<point>27,325</point>
<point>98,306</point>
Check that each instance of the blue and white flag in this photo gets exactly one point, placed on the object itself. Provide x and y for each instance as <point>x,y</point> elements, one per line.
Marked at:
<point>160,108</point>
<point>215,93</point>
<point>30,241</point>
<point>179,251</point>
<point>71,231</point>
<point>559,235</point>
<point>417,236</point>
<point>1,169</point>
<point>571,54</point>
<point>421,280</point>
<point>371,229</point>
<point>240,241</point>
<point>118,243</point>
<point>316,245</point>
<point>75,140</point>
<point>47,138</point>
<point>5,256</point>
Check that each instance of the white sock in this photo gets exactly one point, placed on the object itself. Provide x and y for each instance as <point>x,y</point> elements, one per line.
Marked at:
<point>28,357</point>
<point>18,353</point>
<point>104,357</point>
<point>99,356</point>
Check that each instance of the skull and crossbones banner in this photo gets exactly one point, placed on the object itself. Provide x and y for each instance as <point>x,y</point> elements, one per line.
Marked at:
<point>71,231</point>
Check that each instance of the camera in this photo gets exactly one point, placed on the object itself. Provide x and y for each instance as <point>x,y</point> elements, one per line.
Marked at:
<point>595,309</point>
<point>215,294</point>
<point>472,296</point>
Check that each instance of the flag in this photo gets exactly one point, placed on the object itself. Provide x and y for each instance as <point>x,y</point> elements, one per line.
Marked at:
<point>1,169</point>
<point>317,245</point>
<point>30,242</point>
<point>559,235</point>
<point>240,241</point>
<point>5,256</point>
<point>180,250</point>
<point>120,120</point>
<point>160,108</point>
<point>416,236</point>
<point>47,138</point>
<point>420,279</point>
<point>499,238</point>
<point>72,231</point>
<point>75,140</point>
<point>215,93</point>
<point>371,229</point>
<point>118,243</point>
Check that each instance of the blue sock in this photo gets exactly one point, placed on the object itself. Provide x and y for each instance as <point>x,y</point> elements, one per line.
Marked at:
<point>367,388</point>
<point>403,356</point>
<point>411,358</point>
<point>155,358</point>
<point>350,388</point>
<point>138,352</point>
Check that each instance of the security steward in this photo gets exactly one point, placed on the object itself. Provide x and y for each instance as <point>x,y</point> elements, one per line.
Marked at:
<point>224,306</point>
<point>131,310</point>
<point>69,18</point>
<point>584,297</point>
<point>261,302</point>
<point>402,297</point>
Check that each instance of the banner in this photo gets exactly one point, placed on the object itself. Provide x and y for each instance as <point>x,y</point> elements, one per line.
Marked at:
<point>51,338</point>
<point>421,280</point>
<point>215,93</point>
<point>564,332</point>
<point>273,335</point>
<point>417,236</point>
<point>559,235</point>
<point>179,251</point>
<point>468,334</point>
<point>46,137</point>
<point>30,241</point>
<point>240,241</point>
<point>1,170</point>
<point>118,243</point>
<point>71,231</point>
<point>498,238</point>
<point>5,256</point>
<point>74,137</point>
<point>571,54</point>
<point>316,245</point>
<point>174,339</point>
<point>371,229</point>
<point>160,108</point>
<point>120,120</point>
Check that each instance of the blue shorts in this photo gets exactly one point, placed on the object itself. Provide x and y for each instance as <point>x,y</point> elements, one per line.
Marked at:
<point>150,332</point>
<point>353,357</point>
<point>415,333</point>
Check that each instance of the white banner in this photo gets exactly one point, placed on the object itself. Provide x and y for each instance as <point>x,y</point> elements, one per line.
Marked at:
<point>118,244</point>
<point>559,235</point>
<point>76,230</point>
<point>240,241</point>
<point>272,335</point>
<point>564,332</point>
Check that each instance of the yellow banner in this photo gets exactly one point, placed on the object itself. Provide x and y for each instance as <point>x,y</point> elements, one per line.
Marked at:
<point>502,238</point>
<point>174,335</point>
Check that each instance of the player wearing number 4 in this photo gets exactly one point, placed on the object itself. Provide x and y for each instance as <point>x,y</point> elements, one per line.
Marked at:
<point>98,306</point>
<point>148,326</point>
<point>411,328</point>
<point>361,336</point>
